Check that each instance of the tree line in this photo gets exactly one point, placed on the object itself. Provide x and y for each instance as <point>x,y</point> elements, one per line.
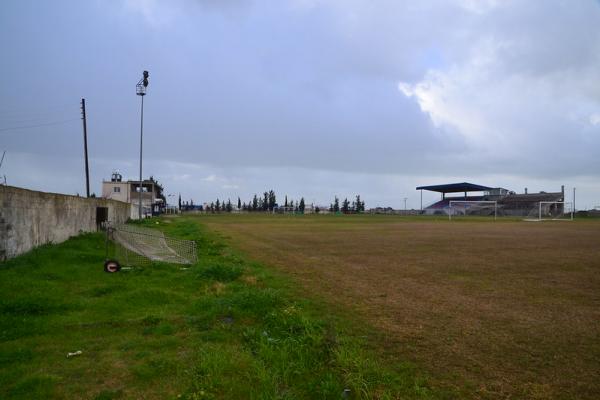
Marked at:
<point>357,206</point>
<point>268,203</point>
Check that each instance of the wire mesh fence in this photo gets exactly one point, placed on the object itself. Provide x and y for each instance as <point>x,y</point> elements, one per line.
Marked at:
<point>136,245</point>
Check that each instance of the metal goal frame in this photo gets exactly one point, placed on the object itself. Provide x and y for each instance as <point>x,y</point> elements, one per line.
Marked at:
<point>564,204</point>
<point>495,203</point>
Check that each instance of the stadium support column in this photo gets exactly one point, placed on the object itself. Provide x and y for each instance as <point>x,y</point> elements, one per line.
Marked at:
<point>421,200</point>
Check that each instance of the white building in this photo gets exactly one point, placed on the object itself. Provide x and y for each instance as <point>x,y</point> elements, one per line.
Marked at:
<point>129,192</point>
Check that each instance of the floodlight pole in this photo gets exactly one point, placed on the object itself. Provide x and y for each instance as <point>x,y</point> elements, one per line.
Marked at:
<point>140,90</point>
<point>141,147</point>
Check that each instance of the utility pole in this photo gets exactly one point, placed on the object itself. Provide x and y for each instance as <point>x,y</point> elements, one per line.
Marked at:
<point>405,203</point>
<point>85,151</point>
<point>1,161</point>
<point>574,209</point>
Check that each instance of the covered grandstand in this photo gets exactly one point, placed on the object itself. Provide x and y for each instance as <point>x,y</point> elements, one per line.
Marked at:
<point>508,202</point>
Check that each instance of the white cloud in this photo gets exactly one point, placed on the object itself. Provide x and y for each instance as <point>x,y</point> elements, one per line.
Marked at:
<point>210,178</point>
<point>502,110</point>
<point>181,177</point>
<point>151,11</point>
<point>479,6</point>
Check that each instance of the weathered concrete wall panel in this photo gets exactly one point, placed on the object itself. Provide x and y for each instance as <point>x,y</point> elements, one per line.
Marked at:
<point>29,218</point>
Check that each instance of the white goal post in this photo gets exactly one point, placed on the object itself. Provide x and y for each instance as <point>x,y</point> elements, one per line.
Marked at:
<point>471,205</point>
<point>553,211</point>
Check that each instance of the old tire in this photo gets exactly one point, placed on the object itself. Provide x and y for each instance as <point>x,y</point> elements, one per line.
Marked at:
<point>112,266</point>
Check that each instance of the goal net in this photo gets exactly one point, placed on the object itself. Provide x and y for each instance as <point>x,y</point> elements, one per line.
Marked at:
<point>136,245</point>
<point>551,211</point>
<point>461,208</point>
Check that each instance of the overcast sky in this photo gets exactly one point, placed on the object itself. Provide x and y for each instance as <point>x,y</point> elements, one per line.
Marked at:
<point>309,98</point>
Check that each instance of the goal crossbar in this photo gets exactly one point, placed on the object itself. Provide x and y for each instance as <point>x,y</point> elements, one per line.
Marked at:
<point>452,202</point>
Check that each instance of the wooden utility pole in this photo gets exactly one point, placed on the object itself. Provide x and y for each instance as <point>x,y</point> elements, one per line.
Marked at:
<point>85,152</point>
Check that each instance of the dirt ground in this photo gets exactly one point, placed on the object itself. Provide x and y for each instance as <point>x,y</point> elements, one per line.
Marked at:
<point>493,310</point>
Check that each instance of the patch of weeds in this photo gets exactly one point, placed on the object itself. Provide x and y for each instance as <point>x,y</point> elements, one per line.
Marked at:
<point>217,374</point>
<point>17,327</point>
<point>256,301</point>
<point>51,277</point>
<point>151,320</point>
<point>154,368</point>
<point>161,329</point>
<point>221,272</point>
<point>32,306</point>
<point>206,311</point>
<point>216,289</point>
<point>250,280</point>
<point>35,387</point>
<point>104,290</point>
<point>13,356</point>
<point>151,297</point>
<point>109,395</point>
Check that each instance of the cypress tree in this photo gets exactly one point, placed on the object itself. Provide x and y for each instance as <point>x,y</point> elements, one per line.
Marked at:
<point>265,201</point>
<point>345,206</point>
<point>272,200</point>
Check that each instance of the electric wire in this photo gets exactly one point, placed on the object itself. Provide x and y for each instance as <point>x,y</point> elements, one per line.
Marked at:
<point>39,125</point>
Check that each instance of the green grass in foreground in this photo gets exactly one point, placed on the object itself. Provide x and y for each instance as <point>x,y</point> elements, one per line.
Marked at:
<point>224,328</point>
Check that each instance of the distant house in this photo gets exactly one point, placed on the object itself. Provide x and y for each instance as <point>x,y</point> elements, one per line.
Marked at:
<point>129,192</point>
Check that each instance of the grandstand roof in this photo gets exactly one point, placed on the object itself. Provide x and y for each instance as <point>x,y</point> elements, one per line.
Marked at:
<point>455,188</point>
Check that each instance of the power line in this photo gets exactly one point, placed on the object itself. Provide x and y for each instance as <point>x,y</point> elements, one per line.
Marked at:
<point>38,125</point>
<point>18,113</point>
<point>24,121</point>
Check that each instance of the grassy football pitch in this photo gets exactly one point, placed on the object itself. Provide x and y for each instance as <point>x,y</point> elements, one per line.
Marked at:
<point>224,328</point>
<point>305,307</point>
<point>491,309</point>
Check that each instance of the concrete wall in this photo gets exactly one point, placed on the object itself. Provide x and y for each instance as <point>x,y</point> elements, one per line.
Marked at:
<point>29,218</point>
